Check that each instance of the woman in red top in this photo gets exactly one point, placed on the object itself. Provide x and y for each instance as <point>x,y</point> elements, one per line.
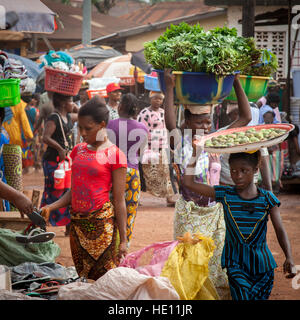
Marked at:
<point>98,226</point>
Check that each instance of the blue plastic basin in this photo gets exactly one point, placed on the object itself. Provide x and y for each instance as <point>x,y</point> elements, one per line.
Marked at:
<point>198,87</point>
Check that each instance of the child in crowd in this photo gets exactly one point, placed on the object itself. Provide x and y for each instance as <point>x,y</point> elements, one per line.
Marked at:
<point>273,100</point>
<point>98,226</point>
<point>269,117</point>
<point>246,256</point>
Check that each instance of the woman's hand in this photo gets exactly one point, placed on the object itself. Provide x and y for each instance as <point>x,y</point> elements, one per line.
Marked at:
<point>289,267</point>
<point>169,78</point>
<point>23,204</point>
<point>62,155</point>
<point>122,250</point>
<point>198,144</point>
<point>45,213</point>
<point>236,77</point>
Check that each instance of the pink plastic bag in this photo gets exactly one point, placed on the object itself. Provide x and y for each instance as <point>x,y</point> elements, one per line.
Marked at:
<point>151,259</point>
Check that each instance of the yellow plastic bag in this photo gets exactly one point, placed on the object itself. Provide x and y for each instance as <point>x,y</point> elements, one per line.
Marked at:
<point>187,268</point>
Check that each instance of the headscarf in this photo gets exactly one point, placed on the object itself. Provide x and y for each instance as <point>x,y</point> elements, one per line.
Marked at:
<point>199,109</point>
<point>153,93</point>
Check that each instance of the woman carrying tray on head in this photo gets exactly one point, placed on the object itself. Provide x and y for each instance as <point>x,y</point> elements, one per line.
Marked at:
<point>248,260</point>
<point>194,212</point>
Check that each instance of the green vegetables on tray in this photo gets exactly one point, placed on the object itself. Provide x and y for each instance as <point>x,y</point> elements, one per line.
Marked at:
<point>189,48</point>
<point>243,137</point>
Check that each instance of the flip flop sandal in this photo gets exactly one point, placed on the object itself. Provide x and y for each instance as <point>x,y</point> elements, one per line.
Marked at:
<point>22,282</point>
<point>37,219</point>
<point>40,237</point>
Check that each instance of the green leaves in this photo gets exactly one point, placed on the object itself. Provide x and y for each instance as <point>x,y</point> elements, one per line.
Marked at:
<point>189,48</point>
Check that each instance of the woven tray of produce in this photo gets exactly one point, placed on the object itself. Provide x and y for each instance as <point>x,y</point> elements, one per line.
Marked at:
<point>246,139</point>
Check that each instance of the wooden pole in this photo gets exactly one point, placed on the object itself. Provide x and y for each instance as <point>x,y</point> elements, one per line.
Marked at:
<point>86,22</point>
<point>248,18</point>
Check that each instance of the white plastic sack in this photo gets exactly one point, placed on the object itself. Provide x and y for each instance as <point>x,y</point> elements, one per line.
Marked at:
<point>101,83</point>
<point>120,284</point>
<point>8,295</point>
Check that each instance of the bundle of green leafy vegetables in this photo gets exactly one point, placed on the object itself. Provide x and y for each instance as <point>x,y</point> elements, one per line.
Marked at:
<point>189,48</point>
<point>267,66</point>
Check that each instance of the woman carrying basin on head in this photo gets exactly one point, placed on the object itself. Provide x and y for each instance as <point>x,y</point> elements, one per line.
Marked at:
<point>195,212</point>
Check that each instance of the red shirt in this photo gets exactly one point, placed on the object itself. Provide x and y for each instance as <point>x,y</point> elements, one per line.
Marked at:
<point>92,176</point>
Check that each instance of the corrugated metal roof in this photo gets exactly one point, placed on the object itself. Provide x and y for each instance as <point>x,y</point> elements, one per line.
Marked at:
<point>258,2</point>
<point>163,11</point>
<point>71,17</point>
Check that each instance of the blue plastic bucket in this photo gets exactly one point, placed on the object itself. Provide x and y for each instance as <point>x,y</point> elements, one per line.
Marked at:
<point>151,83</point>
<point>198,87</point>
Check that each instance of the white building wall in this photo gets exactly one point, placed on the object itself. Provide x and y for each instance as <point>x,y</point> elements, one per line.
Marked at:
<point>275,37</point>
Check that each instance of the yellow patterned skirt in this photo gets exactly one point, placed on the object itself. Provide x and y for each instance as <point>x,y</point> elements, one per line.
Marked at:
<point>132,197</point>
<point>94,241</point>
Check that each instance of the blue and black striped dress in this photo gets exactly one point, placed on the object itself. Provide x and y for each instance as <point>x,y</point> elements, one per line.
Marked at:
<point>246,256</point>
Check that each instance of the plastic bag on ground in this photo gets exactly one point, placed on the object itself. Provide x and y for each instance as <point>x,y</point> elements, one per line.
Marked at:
<point>120,284</point>
<point>53,270</point>
<point>8,295</point>
<point>13,253</point>
<point>151,259</point>
<point>187,268</point>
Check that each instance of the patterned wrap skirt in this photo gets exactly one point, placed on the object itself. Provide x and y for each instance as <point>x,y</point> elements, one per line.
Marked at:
<point>250,287</point>
<point>94,242</point>
<point>60,217</point>
<point>27,153</point>
<point>12,159</point>
<point>209,221</point>
<point>276,165</point>
<point>157,177</point>
<point>132,197</point>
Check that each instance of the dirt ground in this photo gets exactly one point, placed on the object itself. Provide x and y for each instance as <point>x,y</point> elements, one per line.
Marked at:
<point>154,223</point>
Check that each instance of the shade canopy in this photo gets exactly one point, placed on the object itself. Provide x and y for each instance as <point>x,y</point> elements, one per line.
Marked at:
<point>119,67</point>
<point>91,55</point>
<point>33,16</point>
<point>138,59</point>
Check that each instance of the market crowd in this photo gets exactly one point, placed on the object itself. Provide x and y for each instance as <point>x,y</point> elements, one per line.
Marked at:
<point>115,150</point>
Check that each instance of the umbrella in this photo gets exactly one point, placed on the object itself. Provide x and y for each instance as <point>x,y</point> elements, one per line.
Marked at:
<point>91,55</point>
<point>32,67</point>
<point>33,16</point>
<point>138,59</point>
<point>119,67</point>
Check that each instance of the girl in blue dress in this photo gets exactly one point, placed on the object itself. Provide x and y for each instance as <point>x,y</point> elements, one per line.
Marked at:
<point>248,261</point>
